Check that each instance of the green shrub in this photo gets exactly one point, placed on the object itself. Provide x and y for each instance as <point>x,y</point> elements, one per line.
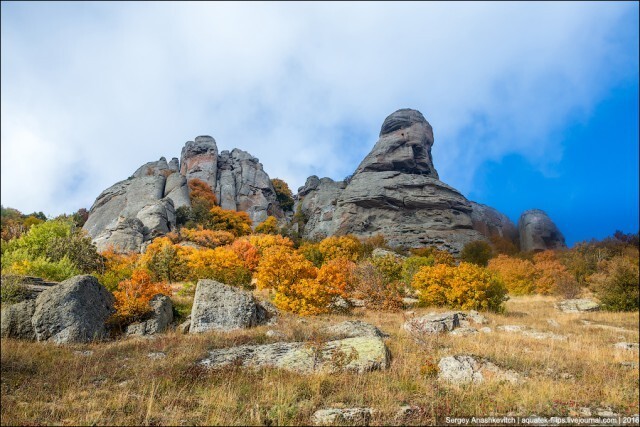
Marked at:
<point>12,290</point>
<point>617,287</point>
<point>477,252</point>
<point>411,265</point>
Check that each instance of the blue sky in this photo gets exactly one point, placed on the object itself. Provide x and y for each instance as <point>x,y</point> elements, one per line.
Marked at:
<point>533,105</point>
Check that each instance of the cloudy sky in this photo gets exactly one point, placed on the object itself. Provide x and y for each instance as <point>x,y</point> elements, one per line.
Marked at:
<point>532,104</point>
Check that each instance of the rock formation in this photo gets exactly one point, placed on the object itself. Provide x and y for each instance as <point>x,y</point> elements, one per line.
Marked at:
<point>395,191</point>
<point>161,317</point>
<point>538,232</point>
<point>73,311</point>
<point>142,207</point>
<point>492,224</point>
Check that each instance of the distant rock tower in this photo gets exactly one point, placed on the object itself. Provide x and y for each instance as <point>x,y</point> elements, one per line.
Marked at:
<point>538,232</point>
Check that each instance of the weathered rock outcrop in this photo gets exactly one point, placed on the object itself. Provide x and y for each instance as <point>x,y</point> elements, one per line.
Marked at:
<point>395,191</point>
<point>317,201</point>
<point>156,189</point>
<point>217,306</point>
<point>465,369</point>
<point>160,319</point>
<point>342,416</point>
<point>73,311</point>
<point>492,224</point>
<point>16,321</point>
<point>538,232</point>
<point>360,354</point>
<point>243,185</point>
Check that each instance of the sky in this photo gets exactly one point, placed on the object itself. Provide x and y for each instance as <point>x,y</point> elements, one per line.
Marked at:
<point>533,104</point>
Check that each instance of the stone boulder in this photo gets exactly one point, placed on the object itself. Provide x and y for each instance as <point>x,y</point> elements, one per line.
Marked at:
<point>493,224</point>
<point>577,305</point>
<point>350,416</point>
<point>217,306</point>
<point>360,354</point>
<point>158,218</point>
<point>538,232</point>
<point>16,321</point>
<point>352,329</point>
<point>466,369</point>
<point>160,318</point>
<point>73,311</point>
<point>433,323</point>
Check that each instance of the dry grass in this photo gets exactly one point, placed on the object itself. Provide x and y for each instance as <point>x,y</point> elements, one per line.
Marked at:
<point>119,385</point>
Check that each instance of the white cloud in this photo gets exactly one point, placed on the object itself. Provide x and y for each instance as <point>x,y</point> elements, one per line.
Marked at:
<point>90,92</point>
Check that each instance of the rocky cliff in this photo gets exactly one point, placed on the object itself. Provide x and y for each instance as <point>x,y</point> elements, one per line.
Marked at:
<point>396,192</point>
<point>142,207</point>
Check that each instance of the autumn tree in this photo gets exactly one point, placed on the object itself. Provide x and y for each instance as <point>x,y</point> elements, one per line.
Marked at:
<point>283,194</point>
<point>165,260</point>
<point>518,275</point>
<point>247,252</point>
<point>117,267</point>
<point>370,285</point>
<point>133,295</point>
<point>439,256</point>
<point>348,247</point>
<point>207,238</point>
<point>617,286</point>
<point>238,223</point>
<point>550,273</point>
<point>221,264</point>
<point>467,286</point>
<point>268,226</point>
<point>412,264</point>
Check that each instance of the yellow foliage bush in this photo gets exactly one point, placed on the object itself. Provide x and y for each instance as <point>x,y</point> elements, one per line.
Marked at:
<point>518,275</point>
<point>133,296</point>
<point>466,287</point>
<point>222,264</point>
<point>550,273</point>
<point>165,260</point>
<point>238,223</point>
<point>264,241</point>
<point>439,256</point>
<point>268,226</point>
<point>117,267</point>
<point>348,247</point>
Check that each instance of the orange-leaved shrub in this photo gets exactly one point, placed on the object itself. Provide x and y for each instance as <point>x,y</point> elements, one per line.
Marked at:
<point>247,252</point>
<point>518,275</point>
<point>348,247</point>
<point>237,222</point>
<point>467,286</point>
<point>371,286</point>
<point>207,238</point>
<point>551,275</point>
<point>439,256</point>
<point>264,241</point>
<point>133,296</point>
<point>117,267</point>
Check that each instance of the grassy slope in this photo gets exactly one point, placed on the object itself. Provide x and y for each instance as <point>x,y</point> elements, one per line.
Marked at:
<point>118,383</point>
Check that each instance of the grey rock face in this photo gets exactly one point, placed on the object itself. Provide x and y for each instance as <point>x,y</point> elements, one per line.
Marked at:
<point>217,306</point>
<point>16,321</point>
<point>127,235</point>
<point>73,311</point>
<point>465,369</point>
<point>157,218</point>
<point>350,416</point>
<point>161,167</point>
<point>243,185</point>
<point>124,199</point>
<point>433,323</point>
<point>491,223</point>
<point>360,354</point>
<point>317,200</point>
<point>538,232</point>
<point>177,190</point>
<point>160,319</point>
<point>354,328</point>
<point>199,159</point>
<point>404,146</point>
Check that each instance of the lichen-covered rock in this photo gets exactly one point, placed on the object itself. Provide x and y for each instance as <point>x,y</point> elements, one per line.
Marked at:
<point>16,321</point>
<point>350,416</point>
<point>538,233</point>
<point>466,369</point>
<point>577,305</point>
<point>360,354</point>
<point>433,323</point>
<point>217,306</point>
<point>532,333</point>
<point>161,317</point>
<point>73,311</point>
<point>354,328</point>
